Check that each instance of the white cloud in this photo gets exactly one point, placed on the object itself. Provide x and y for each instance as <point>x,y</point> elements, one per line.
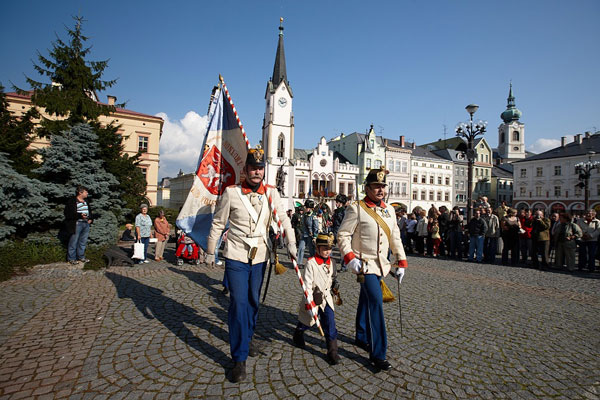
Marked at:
<point>180,143</point>
<point>541,145</point>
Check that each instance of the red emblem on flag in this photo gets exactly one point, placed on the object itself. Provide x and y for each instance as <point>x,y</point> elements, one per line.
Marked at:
<point>215,172</point>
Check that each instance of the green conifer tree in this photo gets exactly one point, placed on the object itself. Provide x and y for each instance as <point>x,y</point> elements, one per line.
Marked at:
<point>23,208</point>
<point>72,160</point>
<point>70,98</point>
<point>16,135</point>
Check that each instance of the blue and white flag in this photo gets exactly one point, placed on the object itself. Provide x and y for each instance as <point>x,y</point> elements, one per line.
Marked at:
<point>220,165</point>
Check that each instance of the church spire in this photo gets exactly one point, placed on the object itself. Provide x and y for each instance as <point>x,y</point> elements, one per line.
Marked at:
<point>279,70</point>
<point>511,113</point>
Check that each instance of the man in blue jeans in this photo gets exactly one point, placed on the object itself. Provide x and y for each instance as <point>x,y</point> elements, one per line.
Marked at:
<point>477,229</point>
<point>77,222</point>
<point>248,211</point>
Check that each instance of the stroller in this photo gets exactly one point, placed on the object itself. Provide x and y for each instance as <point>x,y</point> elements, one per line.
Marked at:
<point>187,249</point>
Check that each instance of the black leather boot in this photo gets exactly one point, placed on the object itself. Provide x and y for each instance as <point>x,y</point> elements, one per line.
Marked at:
<point>238,373</point>
<point>332,352</point>
<point>299,338</point>
<point>253,349</point>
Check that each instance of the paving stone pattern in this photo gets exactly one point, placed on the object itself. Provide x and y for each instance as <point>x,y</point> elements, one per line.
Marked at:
<point>159,331</point>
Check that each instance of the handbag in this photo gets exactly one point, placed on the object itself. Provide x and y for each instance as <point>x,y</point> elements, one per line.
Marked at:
<point>138,250</point>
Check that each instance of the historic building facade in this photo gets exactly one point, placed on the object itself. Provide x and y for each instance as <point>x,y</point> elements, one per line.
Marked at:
<point>140,132</point>
<point>397,161</point>
<point>431,181</point>
<point>548,180</point>
<point>367,151</point>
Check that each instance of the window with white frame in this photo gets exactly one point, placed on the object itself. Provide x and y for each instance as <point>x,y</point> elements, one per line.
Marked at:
<point>368,163</point>
<point>447,181</point>
<point>447,196</point>
<point>538,191</point>
<point>404,188</point>
<point>415,178</point>
<point>423,195</point>
<point>439,180</point>
<point>557,170</point>
<point>404,167</point>
<point>431,195</point>
<point>522,191</point>
<point>557,191</point>
<point>143,144</point>
<point>523,173</point>
<point>377,164</point>
<point>414,195</point>
<point>342,188</point>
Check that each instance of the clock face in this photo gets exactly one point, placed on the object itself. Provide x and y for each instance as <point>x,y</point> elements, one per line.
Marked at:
<point>282,101</point>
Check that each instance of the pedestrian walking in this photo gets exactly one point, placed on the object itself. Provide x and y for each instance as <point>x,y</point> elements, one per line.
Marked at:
<point>143,230</point>
<point>318,277</point>
<point>477,229</point>
<point>367,234</point>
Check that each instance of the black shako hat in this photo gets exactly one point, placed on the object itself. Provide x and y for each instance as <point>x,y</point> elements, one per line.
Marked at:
<point>377,176</point>
<point>324,239</point>
<point>256,157</point>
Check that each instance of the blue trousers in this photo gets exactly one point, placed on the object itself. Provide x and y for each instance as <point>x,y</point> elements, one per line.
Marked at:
<point>244,281</point>
<point>78,241</point>
<point>305,243</point>
<point>475,246</point>
<point>327,319</point>
<point>370,323</point>
<point>146,241</point>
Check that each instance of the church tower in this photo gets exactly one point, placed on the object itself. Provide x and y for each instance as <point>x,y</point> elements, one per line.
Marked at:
<point>278,121</point>
<point>511,133</point>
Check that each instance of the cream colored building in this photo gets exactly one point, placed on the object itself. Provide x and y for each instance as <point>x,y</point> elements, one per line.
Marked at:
<point>140,132</point>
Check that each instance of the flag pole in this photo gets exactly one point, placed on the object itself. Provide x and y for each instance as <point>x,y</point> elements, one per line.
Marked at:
<point>310,305</point>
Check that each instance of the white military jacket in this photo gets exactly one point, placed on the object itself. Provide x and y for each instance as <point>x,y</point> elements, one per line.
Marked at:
<point>317,273</point>
<point>368,241</point>
<point>247,228</point>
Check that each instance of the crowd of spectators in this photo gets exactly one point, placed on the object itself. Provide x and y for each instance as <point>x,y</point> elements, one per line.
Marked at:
<point>523,238</point>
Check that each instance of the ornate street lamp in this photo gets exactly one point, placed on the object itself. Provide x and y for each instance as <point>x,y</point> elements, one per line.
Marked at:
<point>469,132</point>
<point>584,169</point>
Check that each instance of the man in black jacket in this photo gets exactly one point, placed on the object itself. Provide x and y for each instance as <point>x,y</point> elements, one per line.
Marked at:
<point>77,223</point>
<point>338,217</point>
<point>477,229</point>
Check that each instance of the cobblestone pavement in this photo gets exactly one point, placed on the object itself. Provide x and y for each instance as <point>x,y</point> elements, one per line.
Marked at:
<point>159,331</point>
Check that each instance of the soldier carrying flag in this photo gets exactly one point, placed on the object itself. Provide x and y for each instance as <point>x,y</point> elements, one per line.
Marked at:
<point>247,210</point>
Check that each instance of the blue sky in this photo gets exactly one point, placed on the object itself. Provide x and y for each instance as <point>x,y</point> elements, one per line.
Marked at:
<point>408,67</point>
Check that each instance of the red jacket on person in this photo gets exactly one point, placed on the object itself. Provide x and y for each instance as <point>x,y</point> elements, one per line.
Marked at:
<point>527,226</point>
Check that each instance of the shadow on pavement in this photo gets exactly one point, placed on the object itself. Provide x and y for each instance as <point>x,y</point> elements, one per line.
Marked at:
<point>152,303</point>
<point>268,331</point>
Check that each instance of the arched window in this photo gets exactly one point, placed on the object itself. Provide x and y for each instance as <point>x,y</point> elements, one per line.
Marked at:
<point>516,135</point>
<point>280,145</point>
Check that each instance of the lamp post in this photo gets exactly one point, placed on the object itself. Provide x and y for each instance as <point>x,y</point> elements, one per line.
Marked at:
<point>584,169</point>
<point>469,132</point>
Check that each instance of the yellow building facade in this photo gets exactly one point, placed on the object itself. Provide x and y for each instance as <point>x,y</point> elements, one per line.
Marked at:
<point>140,132</point>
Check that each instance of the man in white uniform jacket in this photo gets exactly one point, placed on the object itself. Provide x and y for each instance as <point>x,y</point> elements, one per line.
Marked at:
<point>368,232</point>
<point>246,208</point>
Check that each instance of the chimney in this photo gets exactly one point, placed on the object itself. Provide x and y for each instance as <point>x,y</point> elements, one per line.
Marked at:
<point>401,140</point>
<point>563,141</point>
<point>588,134</point>
<point>111,100</point>
<point>578,139</point>
<point>414,145</point>
<point>385,142</point>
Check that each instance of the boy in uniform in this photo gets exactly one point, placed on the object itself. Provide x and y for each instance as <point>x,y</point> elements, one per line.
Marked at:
<point>318,277</point>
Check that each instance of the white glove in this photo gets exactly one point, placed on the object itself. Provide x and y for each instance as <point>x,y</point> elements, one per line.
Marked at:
<point>209,260</point>
<point>355,265</point>
<point>292,250</point>
<point>399,273</point>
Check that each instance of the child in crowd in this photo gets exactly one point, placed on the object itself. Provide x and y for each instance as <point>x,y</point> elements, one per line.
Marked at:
<point>318,277</point>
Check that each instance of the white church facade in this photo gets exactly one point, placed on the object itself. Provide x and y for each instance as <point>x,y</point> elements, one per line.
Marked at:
<point>319,173</point>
